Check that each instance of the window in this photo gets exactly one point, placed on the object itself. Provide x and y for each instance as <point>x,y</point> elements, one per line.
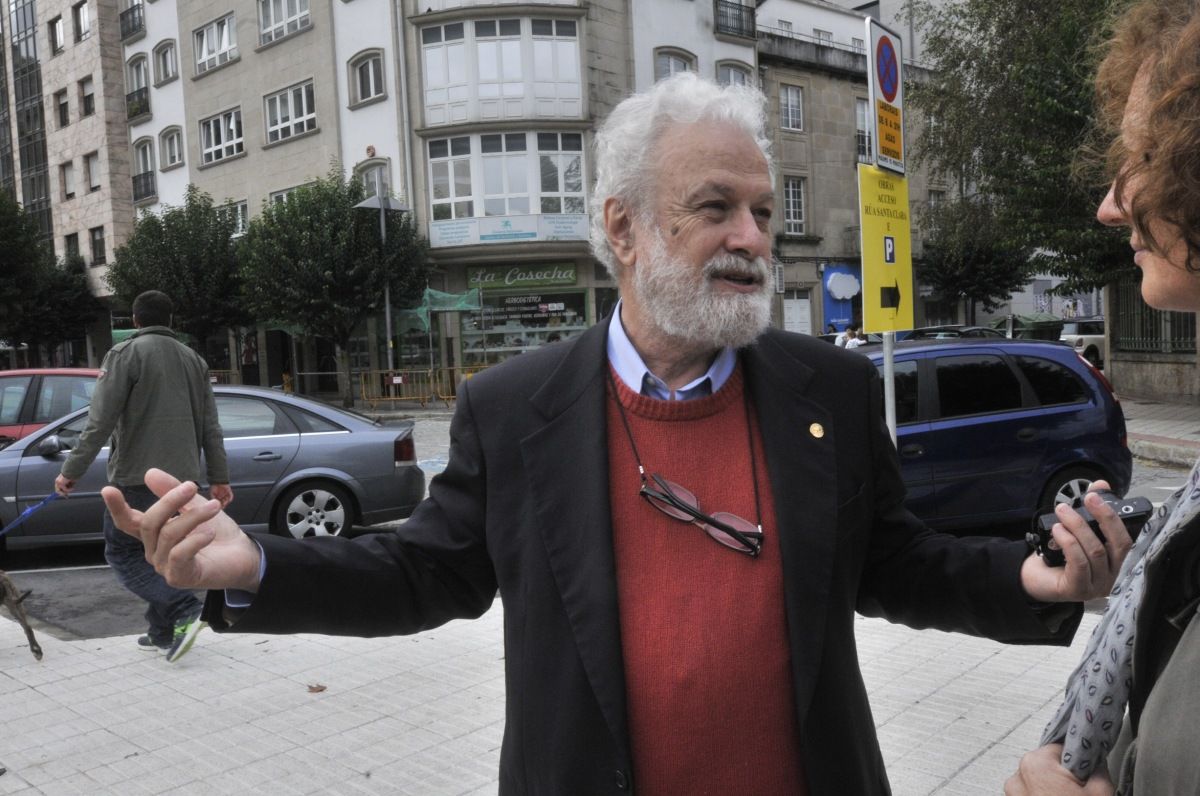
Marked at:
<point>91,164</point>
<point>793,206</point>
<point>66,175</point>
<point>170,144</point>
<point>250,417</point>
<point>215,44</point>
<point>667,63</point>
<point>87,97</point>
<point>143,157</point>
<point>1052,383</point>
<point>83,20</point>
<point>906,390</point>
<point>279,18</point>
<point>58,39</point>
<point>166,65</point>
<point>560,161</point>
<point>239,212</point>
<point>791,107</point>
<point>279,197</point>
<point>97,236</point>
<point>862,128</point>
<point>71,245</point>
<point>446,91</point>
<point>505,174</point>
<point>858,45</point>
<point>64,108</point>
<point>785,26</point>
<point>498,57</point>
<point>136,74</point>
<point>733,75</point>
<point>936,198</point>
<point>221,136</point>
<point>450,178</point>
<point>291,112</point>
<point>372,173</point>
<point>366,76</point>
<point>976,384</point>
<point>12,397</point>
<point>822,36</point>
<point>61,395</point>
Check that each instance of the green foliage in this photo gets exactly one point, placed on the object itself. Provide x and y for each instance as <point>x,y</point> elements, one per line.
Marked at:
<point>1011,97</point>
<point>189,253</point>
<point>316,262</point>
<point>24,260</point>
<point>65,301</point>
<point>968,257</point>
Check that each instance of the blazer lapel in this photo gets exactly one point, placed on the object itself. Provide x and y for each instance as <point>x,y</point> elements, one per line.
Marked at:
<point>803,467</point>
<point>567,462</point>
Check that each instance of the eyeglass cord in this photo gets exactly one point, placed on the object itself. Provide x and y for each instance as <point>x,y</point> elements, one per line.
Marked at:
<point>749,438</point>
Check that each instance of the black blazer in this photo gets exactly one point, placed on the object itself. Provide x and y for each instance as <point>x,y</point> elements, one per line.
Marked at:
<point>523,507</point>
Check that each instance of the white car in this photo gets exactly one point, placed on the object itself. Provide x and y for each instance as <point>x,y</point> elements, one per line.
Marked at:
<point>1086,336</point>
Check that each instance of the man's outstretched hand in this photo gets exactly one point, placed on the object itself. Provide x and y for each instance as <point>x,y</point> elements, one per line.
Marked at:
<point>188,540</point>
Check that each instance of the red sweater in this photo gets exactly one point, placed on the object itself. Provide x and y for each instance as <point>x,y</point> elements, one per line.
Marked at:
<point>703,630</point>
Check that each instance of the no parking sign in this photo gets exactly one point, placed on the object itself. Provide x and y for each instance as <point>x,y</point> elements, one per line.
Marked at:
<point>885,78</point>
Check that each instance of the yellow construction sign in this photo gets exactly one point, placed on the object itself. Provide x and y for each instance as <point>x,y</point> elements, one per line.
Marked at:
<point>886,245</point>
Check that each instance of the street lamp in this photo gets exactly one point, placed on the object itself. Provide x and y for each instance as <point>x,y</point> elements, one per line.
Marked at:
<point>384,203</point>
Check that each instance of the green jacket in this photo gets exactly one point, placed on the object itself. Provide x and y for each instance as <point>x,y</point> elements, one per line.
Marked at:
<point>155,400</point>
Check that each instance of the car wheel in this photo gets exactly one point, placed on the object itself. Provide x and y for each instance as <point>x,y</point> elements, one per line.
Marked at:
<point>1092,355</point>
<point>1067,486</point>
<point>313,508</point>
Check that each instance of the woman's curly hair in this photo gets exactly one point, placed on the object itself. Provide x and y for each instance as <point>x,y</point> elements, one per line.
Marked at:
<point>1164,37</point>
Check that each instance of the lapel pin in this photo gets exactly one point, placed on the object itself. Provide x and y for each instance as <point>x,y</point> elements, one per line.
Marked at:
<point>817,430</point>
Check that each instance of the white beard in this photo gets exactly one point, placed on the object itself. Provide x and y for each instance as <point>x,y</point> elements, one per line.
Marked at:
<point>684,303</point>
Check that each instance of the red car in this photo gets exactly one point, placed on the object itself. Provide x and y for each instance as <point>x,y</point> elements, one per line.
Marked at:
<point>29,399</point>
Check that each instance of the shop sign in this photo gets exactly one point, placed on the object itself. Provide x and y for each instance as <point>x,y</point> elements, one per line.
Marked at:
<point>506,277</point>
<point>508,229</point>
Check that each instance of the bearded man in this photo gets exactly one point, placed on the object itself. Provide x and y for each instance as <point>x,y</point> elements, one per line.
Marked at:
<point>681,510</point>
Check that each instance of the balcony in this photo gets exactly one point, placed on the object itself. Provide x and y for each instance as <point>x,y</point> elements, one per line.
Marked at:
<point>734,19</point>
<point>144,186</point>
<point>133,23</point>
<point>137,103</point>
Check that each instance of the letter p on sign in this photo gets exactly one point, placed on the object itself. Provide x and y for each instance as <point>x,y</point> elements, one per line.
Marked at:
<point>889,249</point>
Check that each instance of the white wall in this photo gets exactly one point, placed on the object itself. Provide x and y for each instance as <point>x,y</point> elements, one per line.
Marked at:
<point>685,25</point>
<point>805,16</point>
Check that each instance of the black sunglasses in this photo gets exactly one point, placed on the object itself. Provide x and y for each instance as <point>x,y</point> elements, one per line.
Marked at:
<point>681,504</point>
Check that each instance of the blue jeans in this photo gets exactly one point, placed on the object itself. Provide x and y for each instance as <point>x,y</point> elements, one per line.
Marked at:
<point>127,557</point>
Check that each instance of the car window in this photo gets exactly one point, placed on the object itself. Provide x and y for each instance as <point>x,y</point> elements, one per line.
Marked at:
<point>1052,382</point>
<point>310,423</point>
<point>61,395</point>
<point>12,395</point>
<point>975,384</point>
<point>250,417</point>
<point>906,390</point>
<point>68,433</point>
<point>1070,327</point>
<point>1092,327</point>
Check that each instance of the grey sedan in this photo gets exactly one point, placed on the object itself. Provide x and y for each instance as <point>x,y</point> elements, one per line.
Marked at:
<point>298,468</point>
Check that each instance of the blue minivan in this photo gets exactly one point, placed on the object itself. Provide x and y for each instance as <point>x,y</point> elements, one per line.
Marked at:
<point>996,431</point>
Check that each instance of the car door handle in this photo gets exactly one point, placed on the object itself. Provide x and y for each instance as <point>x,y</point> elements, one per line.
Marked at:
<point>1027,434</point>
<point>268,456</point>
<point>912,450</point>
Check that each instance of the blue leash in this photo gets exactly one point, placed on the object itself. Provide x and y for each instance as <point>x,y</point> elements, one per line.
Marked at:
<point>24,515</point>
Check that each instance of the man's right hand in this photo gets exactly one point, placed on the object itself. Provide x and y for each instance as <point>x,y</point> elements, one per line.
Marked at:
<point>63,485</point>
<point>188,540</point>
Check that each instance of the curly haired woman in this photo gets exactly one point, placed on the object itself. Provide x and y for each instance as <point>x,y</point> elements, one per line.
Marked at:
<point>1131,716</point>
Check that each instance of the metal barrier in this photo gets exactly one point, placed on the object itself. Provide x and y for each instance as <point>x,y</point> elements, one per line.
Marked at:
<point>448,380</point>
<point>382,386</point>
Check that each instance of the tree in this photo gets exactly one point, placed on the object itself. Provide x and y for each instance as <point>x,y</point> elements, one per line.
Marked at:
<point>66,306</point>
<point>967,256</point>
<point>24,258</point>
<point>316,262</point>
<point>190,254</point>
<point>1010,98</point>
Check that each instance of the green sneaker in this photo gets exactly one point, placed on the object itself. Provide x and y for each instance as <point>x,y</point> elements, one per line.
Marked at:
<point>185,636</point>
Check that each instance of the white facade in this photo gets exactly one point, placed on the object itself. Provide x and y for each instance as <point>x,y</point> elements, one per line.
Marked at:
<point>818,22</point>
<point>670,33</point>
<point>160,49</point>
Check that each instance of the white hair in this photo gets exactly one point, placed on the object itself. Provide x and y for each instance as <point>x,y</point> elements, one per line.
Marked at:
<point>626,143</point>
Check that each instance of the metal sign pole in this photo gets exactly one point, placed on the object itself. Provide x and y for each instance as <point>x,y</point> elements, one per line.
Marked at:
<point>889,382</point>
<point>387,292</point>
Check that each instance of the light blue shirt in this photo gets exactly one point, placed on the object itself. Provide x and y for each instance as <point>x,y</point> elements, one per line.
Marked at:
<point>628,364</point>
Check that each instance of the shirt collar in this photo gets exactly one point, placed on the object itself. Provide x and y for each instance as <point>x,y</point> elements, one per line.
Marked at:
<point>630,368</point>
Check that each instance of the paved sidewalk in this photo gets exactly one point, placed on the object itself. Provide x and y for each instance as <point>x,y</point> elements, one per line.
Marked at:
<point>425,714</point>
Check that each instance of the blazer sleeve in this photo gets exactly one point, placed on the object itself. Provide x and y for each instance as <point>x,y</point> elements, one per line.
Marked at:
<point>433,569</point>
<point>925,579</point>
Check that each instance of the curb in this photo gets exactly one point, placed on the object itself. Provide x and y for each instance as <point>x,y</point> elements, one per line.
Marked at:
<point>1164,449</point>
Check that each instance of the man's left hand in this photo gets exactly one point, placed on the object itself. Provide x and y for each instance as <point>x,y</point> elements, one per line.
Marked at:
<point>63,485</point>
<point>1091,565</point>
